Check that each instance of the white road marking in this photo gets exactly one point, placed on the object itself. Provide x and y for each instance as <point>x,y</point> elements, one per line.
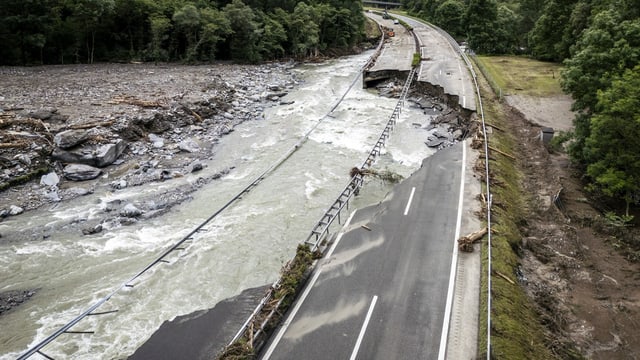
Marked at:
<point>354,354</point>
<point>304,295</point>
<point>406,210</point>
<point>454,261</point>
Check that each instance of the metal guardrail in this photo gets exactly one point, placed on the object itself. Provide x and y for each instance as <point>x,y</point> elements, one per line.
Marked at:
<point>489,196</point>
<point>321,229</point>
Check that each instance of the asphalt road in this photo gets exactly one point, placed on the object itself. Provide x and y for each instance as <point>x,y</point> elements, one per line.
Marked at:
<point>441,64</point>
<point>382,291</point>
<point>397,54</point>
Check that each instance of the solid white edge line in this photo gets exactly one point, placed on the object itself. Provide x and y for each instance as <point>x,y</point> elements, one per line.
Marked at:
<point>454,262</point>
<point>406,210</point>
<point>285,325</point>
<point>354,354</point>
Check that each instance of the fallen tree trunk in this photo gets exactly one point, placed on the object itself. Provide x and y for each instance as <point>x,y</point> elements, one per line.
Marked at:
<point>383,175</point>
<point>465,243</point>
<point>91,125</point>
<point>13,145</point>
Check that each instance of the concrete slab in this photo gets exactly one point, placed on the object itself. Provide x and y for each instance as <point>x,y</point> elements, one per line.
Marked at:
<point>397,52</point>
<point>442,65</point>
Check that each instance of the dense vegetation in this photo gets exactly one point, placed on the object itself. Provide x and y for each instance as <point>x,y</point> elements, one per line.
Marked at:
<point>85,31</point>
<point>599,43</point>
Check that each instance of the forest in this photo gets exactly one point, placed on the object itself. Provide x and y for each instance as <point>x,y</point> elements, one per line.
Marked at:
<point>598,41</point>
<point>87,31</point>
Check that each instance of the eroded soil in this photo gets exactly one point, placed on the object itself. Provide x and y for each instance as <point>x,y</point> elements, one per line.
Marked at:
<point>586,290</point>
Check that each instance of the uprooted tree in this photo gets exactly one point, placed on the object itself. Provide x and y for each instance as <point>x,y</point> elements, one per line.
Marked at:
<point>384,175</point>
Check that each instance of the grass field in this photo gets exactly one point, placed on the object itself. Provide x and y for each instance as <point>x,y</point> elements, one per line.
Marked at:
<point>521,75</point>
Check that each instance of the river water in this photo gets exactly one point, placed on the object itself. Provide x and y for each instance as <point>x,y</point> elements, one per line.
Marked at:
<point>244,247</point>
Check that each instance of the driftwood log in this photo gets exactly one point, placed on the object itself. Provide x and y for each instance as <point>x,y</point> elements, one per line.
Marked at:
<point>91,125</point>
<point>132,100</point>
<point>465,243</point>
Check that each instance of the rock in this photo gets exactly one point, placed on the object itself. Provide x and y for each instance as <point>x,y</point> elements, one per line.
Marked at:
<point>13,298</point>
<point>130,210</point>
<point>52,194</point>
<point>100,156</point>
<point>156,141</point>
<point>78,191</point>
<point>107,154</point>
<point>458,134</point>
<point>43,114</point>
<point>196,167</point>
<point>227,116</point>
<point>15,210</point>
<point>50,179</point>
<point>92,230</point>
<point>81,172</point>
<point>284,102</point>
<point>274,87</point>
<point>112,205</point>
<point>23,158</point>
<point>434,142</point>
<point>119,185</point>
<point>189,146</point>
<point>70,138</point>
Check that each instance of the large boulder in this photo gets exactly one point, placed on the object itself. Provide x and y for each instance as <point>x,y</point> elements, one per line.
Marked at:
<point>50,179</point>
<point>99,156</point>
<point>70,138</point>
<point>81,172</point>
<point>189,145</point>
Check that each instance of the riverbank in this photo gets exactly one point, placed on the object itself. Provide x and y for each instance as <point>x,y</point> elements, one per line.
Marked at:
<point>154,123</point>
<point>74,130</point>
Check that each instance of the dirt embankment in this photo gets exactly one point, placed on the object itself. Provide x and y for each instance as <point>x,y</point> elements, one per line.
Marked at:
<point>587,292</point>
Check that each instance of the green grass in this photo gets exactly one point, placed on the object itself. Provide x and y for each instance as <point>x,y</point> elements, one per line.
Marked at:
<point>521,75</point>
<point>516,330</point>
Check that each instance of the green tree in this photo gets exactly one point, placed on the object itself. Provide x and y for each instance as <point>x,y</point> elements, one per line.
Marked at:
<point>273,36</point>
<point>304,31</point>
<point>604,50</point>
<point>450,17</point>
<point>481,19</point>
<point>612,148</point>
<point>215,28</point>
<point>506,30</point>
<point>90,15</point>
<point>529,11</point>
<point>187,20</point>
<point>160,26</point>
<point>24,26</point>
<point>129,26</point>
<point>547,32</point>
<point>243,44</point>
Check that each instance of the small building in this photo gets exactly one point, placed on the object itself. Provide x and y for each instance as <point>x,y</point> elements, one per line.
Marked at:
<point>546,134</point>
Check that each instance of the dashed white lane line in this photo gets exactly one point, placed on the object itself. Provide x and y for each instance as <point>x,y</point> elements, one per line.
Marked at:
<point>304,295</point>
<point>406,209</point>
<point>354,354</point>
